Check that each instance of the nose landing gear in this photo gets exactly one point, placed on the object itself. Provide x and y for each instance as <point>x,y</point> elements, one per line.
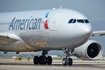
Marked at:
<point>67,60</point>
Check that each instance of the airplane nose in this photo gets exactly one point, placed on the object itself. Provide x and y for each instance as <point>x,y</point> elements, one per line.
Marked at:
<point>86,30</point>
<point>84,33</point>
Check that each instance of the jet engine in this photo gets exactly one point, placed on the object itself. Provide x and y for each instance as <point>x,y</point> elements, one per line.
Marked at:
<point>91,50</point>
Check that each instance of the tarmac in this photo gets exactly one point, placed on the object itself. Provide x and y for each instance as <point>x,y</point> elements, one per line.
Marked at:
<point>11,64</point>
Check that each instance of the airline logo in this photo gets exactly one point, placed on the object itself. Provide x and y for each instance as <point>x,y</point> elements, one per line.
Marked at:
<point>46,21</point>
<point>28,24</point>
<point>25,24</point>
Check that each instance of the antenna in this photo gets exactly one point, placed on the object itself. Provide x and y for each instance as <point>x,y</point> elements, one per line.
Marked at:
<point>60,7</point>
<point>53,8</point>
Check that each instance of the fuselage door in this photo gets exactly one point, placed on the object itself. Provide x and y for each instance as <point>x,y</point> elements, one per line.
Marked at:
<point>54,22</point>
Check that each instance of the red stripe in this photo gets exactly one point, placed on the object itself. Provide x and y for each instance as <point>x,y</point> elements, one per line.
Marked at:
<point>46,25</point>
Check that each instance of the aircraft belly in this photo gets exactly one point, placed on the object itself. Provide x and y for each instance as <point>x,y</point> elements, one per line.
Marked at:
<point>35,39</point>
<point>43,40</point>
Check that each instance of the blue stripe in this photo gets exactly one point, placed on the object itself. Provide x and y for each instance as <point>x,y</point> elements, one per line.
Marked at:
<point>47,15</point>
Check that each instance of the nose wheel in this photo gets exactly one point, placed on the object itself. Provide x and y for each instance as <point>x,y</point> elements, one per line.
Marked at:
<point>67,60</point>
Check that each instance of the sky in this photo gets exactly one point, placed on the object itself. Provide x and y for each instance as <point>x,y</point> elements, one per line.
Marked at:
<point>94,10</point>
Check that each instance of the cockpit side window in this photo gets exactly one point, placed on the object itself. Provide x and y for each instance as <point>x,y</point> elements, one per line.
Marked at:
<point>80,20</point>
<point>70,21</point>
<point>86,21</point>
<point>74,21</point>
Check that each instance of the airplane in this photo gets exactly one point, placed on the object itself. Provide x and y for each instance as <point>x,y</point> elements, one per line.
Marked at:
<point>50,29</point>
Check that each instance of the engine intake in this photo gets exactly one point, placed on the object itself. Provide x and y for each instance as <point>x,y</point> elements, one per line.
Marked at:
<point>91,50</point>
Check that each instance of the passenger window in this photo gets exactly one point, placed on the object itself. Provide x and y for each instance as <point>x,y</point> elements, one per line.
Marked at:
<point>70,21</point>
<point>86,21</point>
<point>80,20</point>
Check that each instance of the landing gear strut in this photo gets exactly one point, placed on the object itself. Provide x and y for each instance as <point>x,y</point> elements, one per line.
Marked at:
<point>43,60</point>
<point>67,60</point>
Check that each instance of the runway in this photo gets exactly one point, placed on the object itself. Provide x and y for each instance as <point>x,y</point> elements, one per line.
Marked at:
<point>57,65</point>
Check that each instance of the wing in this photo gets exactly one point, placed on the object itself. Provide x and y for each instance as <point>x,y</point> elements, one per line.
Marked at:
<point>6,38</point>
<point>100,33</point>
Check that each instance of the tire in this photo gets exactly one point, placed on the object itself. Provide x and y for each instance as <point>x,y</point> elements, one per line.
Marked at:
<point>49,60</point>
<point>64,61</point>
<point>42,60</point>
<point>70,61</point>
<point>36,61</point>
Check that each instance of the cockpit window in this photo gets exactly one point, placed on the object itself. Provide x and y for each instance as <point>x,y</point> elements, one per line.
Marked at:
<point>74,21</point>
<point>86,21</point>
<point>80,20</point>
<point>70,21</point>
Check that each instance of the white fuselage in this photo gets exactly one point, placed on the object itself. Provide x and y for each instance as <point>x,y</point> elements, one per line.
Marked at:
<point>44,29</point>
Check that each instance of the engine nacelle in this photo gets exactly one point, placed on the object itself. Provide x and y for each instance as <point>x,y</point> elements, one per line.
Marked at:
<point>91,50</point>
